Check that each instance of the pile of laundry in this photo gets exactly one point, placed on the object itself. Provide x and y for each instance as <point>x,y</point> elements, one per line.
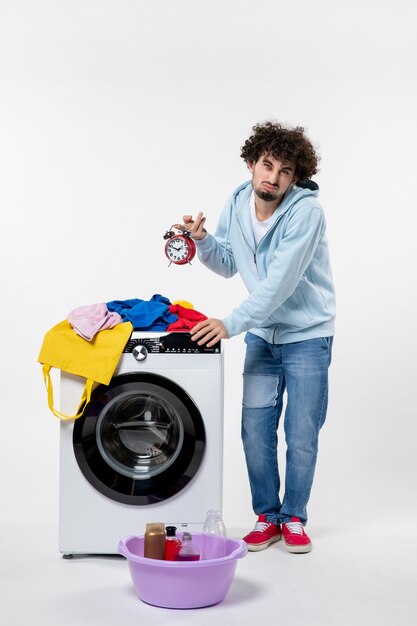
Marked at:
<point>156,314</point>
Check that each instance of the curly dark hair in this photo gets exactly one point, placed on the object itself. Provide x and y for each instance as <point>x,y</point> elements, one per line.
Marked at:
<point>289,144</point>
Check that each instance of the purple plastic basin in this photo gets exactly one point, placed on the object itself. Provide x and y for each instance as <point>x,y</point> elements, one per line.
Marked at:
<point>181,585</point>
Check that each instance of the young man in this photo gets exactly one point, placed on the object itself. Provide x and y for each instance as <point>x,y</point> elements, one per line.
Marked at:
<point>272,231</point>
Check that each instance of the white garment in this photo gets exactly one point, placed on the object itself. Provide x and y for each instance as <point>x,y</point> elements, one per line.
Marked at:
<point>259,228</point>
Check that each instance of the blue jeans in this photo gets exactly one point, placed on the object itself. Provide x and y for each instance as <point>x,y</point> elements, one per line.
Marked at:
<point>301,369</point>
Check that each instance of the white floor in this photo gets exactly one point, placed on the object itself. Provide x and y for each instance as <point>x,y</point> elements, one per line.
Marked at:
<point>353,576</point>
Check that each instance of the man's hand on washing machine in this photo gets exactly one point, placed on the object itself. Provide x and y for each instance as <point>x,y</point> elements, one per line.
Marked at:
<point>209,332</point>
<point>196,227</point>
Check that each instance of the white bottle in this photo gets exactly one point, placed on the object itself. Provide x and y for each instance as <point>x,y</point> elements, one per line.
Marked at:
<point>214,536</point>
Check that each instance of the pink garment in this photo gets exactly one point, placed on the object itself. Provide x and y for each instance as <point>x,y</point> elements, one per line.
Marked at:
<point>88,320</point>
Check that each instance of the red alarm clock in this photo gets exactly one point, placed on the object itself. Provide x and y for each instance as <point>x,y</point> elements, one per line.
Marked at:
<point>179,248</point>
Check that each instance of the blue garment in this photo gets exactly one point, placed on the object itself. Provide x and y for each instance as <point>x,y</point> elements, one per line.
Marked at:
<point>150,315</point>
<point>287,274</point>
<point>301,368</point>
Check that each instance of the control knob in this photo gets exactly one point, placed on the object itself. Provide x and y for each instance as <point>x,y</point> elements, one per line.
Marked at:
<point>140,352</point>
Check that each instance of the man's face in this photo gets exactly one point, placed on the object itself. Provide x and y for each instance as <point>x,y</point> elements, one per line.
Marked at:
<point>271,178</point>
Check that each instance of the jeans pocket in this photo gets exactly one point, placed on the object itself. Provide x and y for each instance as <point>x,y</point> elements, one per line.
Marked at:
<point>328,344</point>
<point>251,338</point>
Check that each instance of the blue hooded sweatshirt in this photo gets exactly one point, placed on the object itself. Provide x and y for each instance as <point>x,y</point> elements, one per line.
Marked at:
<point>288,274</point>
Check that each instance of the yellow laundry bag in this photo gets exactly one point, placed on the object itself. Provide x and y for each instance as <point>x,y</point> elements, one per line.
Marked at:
<point>94,360</point>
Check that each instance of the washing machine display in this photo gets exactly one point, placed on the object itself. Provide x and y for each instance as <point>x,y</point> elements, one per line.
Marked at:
<point>141,440</point>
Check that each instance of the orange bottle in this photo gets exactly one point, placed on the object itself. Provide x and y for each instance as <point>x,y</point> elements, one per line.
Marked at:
<point>154,541</point>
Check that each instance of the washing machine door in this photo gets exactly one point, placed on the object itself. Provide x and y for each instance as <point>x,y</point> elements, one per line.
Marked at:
<point>141,439</point>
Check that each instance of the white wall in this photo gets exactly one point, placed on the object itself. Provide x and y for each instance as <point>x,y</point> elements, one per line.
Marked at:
<point>117,117</point>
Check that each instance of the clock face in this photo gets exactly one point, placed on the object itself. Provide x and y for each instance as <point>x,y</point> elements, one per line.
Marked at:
<point>178,250</point>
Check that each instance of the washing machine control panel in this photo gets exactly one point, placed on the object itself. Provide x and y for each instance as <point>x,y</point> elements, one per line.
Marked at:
<point>172,343</point>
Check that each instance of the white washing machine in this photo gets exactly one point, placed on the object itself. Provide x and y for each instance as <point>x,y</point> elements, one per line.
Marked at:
<point>149,447</point>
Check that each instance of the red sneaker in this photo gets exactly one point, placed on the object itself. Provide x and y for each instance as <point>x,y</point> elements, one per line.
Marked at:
<point>295,537</point>
<point>263,534</point>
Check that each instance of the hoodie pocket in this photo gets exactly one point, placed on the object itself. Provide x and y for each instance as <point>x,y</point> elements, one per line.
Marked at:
<point>303,302</point>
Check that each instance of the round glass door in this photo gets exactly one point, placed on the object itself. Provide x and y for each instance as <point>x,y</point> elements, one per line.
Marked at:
<point>141,439</point>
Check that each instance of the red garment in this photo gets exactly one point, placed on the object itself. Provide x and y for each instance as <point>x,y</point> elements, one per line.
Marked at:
<point>187,318</point>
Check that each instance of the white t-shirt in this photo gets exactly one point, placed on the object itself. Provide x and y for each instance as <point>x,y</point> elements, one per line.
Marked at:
<point>259,228</point>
